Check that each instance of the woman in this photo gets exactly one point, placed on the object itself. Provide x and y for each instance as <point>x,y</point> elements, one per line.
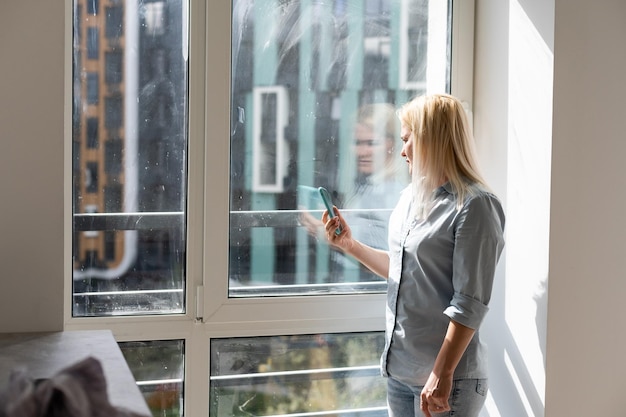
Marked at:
<point>445,239</point>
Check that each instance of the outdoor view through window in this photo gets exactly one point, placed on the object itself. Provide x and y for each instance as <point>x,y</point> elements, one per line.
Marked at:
<point>314,90</point>
<point>129,153</point>
<point>315,86</point>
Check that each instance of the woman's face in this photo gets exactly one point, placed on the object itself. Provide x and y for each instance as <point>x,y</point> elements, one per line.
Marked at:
<point>407,146</point>
<point>370,150</point>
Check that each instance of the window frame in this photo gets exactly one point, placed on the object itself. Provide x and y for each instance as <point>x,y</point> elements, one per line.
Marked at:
<point>210,313</point>
<point>218,308</point>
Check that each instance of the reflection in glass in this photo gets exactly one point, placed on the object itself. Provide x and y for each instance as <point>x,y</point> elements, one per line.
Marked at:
<point>280,375</point>
<point>129,157</point>
<point>158,368</point>
<point>315,86</point>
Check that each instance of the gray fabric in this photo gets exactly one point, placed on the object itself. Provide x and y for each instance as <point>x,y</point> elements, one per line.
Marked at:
<point>441,268</point>
<point>77,391</point>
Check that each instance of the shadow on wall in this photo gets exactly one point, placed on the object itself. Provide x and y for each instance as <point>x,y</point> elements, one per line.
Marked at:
<point>513,390</point>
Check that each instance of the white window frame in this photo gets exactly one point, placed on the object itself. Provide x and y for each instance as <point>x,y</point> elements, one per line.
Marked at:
<point>210,313</point>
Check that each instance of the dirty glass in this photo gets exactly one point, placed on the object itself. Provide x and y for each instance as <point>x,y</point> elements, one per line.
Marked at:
<point>158,368</point>
<point>319,374</point>
<point>129,137</point>
<point>315,86</point>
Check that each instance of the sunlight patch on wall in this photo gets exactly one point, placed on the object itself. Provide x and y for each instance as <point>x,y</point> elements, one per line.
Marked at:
<point>529,167</point>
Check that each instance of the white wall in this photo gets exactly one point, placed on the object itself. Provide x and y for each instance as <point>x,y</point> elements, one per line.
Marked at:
<point>513,126</point>
<point>586,340</point>
<point>31,162</point>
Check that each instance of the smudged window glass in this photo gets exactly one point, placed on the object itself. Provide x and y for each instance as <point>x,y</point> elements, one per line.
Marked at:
<point>315,86</point>
<point>129,177</point>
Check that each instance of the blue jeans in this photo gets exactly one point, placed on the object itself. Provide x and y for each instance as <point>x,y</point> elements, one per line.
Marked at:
<point>466,398</point>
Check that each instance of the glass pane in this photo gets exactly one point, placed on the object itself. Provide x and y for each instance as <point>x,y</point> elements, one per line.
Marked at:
<point>129,157</point>
<point>278,375</point>
<point>315,86</point>
<point>158,368</point>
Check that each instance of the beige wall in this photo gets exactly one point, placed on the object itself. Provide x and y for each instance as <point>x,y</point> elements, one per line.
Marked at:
<point>586,339</point>
<point>31,159</point>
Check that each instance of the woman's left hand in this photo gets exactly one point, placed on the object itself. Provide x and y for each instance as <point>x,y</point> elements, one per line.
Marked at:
<point>434,396</point>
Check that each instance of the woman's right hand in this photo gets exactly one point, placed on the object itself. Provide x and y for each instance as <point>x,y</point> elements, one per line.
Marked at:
<point>342,240</point>
<point>376,260</point>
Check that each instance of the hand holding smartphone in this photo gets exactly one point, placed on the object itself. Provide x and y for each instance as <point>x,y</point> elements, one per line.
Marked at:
<point>329,206</point>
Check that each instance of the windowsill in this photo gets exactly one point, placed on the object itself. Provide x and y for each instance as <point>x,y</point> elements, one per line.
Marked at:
<point>43,355</point>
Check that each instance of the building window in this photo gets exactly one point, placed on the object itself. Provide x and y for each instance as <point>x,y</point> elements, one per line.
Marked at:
<point>113,198</point>
<point>298,375</point>
<point>92,7</point>
<point>93,93</point>
<point>114,22</point>
<point>109,245</point>
<point>113,112</point>
<point>91,177</point>
<point>113,157</point>
<point>377,34</point>
<point>93,43</point>
<point>114,61</point>
<point>92,132</point>
<point>155,17</point>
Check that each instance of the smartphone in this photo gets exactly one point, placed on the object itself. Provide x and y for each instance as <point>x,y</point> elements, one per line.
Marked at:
<point>329,206</point>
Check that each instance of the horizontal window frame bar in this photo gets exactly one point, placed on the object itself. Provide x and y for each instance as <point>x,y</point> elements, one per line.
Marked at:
<point>359,411</point>
<point>365,371</point>
<point>85,222</point>
<point>256,291</point>
<point>129,292</point>
<point>152,382</point>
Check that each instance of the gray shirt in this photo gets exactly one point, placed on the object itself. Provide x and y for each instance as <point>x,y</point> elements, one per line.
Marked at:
<point>440,268</point>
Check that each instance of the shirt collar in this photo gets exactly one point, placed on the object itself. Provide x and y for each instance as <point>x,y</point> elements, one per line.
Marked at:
<point>447,187</point>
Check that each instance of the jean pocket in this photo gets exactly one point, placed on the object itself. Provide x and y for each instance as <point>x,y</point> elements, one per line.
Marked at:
<point>482,386</point>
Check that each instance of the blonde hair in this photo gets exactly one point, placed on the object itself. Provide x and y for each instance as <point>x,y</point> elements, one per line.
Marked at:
<point>443,149</point>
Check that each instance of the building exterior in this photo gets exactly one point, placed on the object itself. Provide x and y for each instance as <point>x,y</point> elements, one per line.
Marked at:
<point>130,136</point>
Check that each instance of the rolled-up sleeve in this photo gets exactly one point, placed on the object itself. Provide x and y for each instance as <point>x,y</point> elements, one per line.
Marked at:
<point>479,241</point>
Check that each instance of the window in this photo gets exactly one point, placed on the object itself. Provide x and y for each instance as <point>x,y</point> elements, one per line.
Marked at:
<point>113,68</point>
<point>191,194</point>
<point>138,265</point>
<point>92,7</point>
<point>158,368</point>
<point>93,88</point>
<point>319,110</point>
<point>93,43</point>
<point>113,198</point>
<point>113,158</point>
<point>113,112</point>
<point>92,132</point>
<point>114,22</point>
<point>91,177</point>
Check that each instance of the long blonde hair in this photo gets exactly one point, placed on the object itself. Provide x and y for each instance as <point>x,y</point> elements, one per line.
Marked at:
<point>443,149</point>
